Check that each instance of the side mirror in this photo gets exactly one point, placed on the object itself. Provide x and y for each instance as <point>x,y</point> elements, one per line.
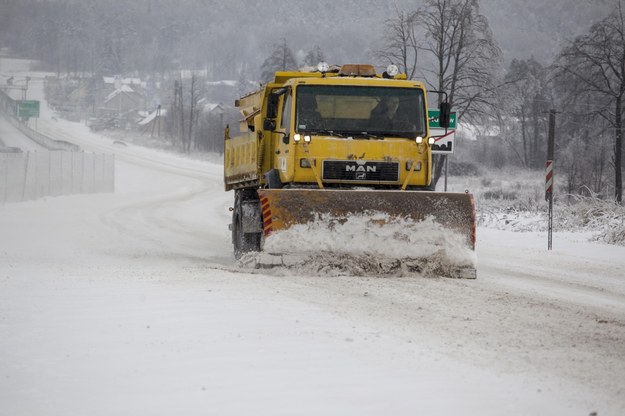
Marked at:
<point>272,101</point>
<point>269,124</point>
<point>272,106</point>
<point>445,115</point>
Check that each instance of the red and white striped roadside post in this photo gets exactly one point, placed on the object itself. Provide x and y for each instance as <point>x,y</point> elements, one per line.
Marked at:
<point>549,198</point>
<point>549,174</point>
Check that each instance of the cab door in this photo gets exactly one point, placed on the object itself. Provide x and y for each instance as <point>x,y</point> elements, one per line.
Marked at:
<point>283,137</point>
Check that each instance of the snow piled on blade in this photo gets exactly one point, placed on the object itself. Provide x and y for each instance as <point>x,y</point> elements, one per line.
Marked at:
<point>368,244</point>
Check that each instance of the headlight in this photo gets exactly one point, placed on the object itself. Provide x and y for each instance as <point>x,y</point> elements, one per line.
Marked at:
<point>431,140</point>
<point>297,138</point>
<point>419,139</point>
<point>307,138</point>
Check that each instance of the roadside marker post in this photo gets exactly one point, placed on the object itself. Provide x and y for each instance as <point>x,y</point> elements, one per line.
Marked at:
<point>549,198</point>
<point>549,175</point>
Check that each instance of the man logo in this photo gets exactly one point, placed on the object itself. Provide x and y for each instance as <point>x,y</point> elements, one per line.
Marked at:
<point>361,171</point>
<point>360,168</point>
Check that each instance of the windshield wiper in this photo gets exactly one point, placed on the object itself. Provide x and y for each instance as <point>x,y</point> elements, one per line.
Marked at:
<point>329,133</point>
<point>403,134</point>
<point>370,135</point>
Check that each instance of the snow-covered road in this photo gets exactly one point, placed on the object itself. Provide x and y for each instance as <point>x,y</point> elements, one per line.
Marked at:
<point>131,303</point>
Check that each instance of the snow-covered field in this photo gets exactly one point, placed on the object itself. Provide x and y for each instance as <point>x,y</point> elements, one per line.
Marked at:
<point>132,304</point>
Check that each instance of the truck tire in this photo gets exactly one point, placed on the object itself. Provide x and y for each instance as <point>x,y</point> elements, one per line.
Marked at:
<point>246,211</point>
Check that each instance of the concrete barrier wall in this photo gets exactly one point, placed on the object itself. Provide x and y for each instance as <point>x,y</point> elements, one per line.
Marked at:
<point>33,175</point>
<point>8,106</point>
<point>43,140</point>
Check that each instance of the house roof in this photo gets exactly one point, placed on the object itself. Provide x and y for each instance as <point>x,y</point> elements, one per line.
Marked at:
<point>124,81</point>
<point>123,89</point>
<point>229,83</point>
<point>208,107</point>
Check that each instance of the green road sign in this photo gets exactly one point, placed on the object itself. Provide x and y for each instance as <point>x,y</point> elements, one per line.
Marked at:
<point>433,115</point>
<point>27,108</point>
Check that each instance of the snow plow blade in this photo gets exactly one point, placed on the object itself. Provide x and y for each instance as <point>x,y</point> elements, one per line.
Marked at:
<point>416,219</point>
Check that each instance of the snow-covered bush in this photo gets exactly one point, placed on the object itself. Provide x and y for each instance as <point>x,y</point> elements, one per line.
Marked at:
<point>514,199</point>
<point>502,189</point>
<point>605,218</point>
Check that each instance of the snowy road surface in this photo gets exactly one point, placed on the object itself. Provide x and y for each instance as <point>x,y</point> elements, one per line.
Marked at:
<point>131,303</point>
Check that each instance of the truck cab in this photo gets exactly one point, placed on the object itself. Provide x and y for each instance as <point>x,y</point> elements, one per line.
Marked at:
<point>351,127</point>
<point>342,131</point>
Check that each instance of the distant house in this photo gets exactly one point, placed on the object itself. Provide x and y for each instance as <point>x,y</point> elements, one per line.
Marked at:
<point>123,103</point>
<point>478,131</point>
<point>112,83</point>
<point>210,108</point>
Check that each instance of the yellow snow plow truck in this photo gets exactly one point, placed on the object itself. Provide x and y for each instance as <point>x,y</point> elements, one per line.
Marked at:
<point>337,163</point>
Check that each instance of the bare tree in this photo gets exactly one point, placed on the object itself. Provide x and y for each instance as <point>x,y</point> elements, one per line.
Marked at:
<point>464,59</point>
<point>281,59</point>
<point>314,56</point>
<point>180,113</point>
<point>192,113</point>
<point>526,96</point>
<point>400,42</point>
<point>595,63</point>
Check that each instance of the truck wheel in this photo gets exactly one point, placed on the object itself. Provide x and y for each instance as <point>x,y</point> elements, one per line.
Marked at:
<point>245,242</point>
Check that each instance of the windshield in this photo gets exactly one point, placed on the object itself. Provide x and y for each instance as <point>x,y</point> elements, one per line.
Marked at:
<point>360,111</point>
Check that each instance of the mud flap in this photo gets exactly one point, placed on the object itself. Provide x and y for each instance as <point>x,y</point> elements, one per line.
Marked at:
<point>250,219</point>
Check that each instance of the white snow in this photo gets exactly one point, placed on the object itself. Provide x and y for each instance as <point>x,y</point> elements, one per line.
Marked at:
<point>371,243</point>
<point>132,303</point>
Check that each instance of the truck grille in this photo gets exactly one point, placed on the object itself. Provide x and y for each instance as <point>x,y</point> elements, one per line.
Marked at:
<point>352,170</point>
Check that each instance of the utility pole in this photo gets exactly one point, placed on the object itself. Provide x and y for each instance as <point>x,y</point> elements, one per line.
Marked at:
<point>158,119</point>
<point>181,108</point>
<point>26,89</point>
